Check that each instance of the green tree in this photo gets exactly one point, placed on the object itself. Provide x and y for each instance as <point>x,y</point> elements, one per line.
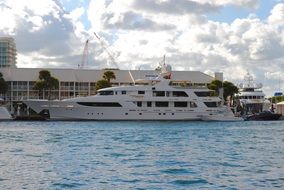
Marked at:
<point>108,75</point>
<point>229,89</point>
<point>3,85</point>
<point>46,82</point>
<point>215,85</point>
<point>102,84</point>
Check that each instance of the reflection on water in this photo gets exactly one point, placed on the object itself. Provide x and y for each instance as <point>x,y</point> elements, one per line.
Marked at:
<point>141,155</point>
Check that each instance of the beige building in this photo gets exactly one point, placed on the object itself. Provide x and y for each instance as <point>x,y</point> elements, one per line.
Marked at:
<point>8,52</point>
<point>81,82</point>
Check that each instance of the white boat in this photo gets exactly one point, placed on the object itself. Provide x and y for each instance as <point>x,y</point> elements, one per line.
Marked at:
<point>148,99</point>
<point>251,98</point>
<point>4,113</point>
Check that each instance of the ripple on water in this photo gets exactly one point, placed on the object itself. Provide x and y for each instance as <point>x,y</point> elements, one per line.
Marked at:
<point>141,155</point>
<point>67,185</point>
<point>190,182</point>
<point>176,171</point>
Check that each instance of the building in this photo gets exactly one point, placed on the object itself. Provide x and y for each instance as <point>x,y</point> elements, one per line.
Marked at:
<point>82,82</point>
<point>280,108</point>
<point>8,52</point>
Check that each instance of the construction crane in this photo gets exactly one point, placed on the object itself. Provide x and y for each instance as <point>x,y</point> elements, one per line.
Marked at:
<point>107,51</point>
<point>85,57</point>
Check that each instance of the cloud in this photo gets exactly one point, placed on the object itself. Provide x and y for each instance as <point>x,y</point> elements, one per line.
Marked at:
<point>138,34</point>
<point>42,31</point>
<point>176,7</point>
<point>133,21</point>
<point>277,15</point>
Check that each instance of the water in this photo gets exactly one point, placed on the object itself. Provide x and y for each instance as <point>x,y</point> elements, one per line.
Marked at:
<point>142,155</point>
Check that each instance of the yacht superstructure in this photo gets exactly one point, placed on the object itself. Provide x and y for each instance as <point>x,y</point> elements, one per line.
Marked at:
<point>152,99</point>
<point>251,97</point>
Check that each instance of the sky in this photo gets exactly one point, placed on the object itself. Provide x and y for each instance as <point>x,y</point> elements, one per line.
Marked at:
<point>229,36</point>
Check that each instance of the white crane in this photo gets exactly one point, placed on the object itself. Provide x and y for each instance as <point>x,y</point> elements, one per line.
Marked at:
<point>107,51</point>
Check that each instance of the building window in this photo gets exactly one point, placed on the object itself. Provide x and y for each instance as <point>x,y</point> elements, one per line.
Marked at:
<point>149,104</point>
<point>123,92</point>
<point>141,92</point>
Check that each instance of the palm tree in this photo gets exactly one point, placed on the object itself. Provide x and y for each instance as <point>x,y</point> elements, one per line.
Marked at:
<point>46,82</point>
<point>229,88</point>
<point>102,84</point>
<point>3,85</point>
<point>108,75</point>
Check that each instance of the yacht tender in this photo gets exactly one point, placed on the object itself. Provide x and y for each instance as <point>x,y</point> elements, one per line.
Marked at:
<point>150,99</point>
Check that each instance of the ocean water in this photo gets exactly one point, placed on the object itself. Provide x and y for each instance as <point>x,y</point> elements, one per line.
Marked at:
<point>142,155</point>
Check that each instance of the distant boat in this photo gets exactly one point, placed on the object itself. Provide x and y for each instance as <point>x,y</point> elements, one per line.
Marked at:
<point>253,103</point>
<point>263,116</point>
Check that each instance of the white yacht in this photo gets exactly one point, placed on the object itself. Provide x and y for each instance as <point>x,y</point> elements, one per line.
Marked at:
<point>150,99</point>
<point>251,97</point>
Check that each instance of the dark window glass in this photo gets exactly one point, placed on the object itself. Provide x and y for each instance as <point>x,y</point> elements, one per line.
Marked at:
<point>100,104</point>
<point>203,94</point>
<point>149,104</point>
<point>192,104</point>
<point>180,104</point>
<point>211,104</point>
<point>123,92</point>
<point>179,94</point>
<point>162,104</point>
<point>158,93</point>
<point>139,104</point>
<point>106,93</point>
<point>141,92</point>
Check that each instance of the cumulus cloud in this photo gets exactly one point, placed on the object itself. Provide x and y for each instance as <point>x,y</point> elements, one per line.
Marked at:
<point>138,34</point>
<point>178,7</point>
<point>277,15</point>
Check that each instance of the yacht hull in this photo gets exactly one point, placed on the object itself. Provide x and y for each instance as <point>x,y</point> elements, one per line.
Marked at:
<point>64,110</point>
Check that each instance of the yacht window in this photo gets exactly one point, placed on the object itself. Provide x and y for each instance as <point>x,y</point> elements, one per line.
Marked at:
<point>180,104</point>
<point>123,92</point>
<point>141,92</point>
<point>158,93</point>
<point>162,104</point>
<point>192,104</point>
<point>211,104</point>
<point>203,94</point>
<point>149,104</point>
<point>179,94</point>
<point>139,104</point>
<point>100,104</point>
<point>106,93</point>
